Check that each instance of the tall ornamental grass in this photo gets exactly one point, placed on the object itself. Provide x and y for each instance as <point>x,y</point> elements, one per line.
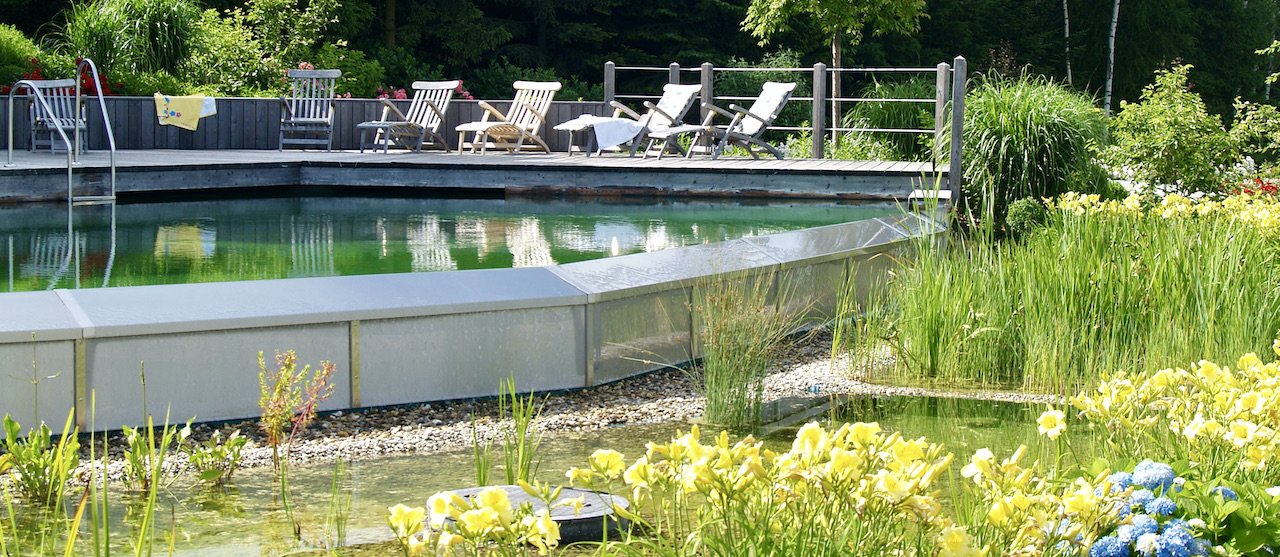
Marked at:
<point>1028,137</point>
<point>1104,287</point>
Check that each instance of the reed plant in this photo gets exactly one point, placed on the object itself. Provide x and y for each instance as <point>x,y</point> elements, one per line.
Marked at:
<point>1124,289</point>
<point>520,441</point>
<point>740,328</point>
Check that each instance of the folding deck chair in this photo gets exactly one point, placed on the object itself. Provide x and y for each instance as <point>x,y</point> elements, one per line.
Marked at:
<point>521,123</point>
<point>306,117</point>
<point>619,133</point>
<point>420,124</point>
<point>744,128</point>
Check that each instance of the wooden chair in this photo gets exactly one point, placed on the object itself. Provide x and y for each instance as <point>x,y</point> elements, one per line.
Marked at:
<point>521,123</point>
<point>60,96</point>
<point>306,117</point>
<point>410,130</point>
<point>744,128</point>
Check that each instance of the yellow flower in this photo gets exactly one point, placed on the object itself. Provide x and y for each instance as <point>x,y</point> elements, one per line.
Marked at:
<point>445,504</point>
<point>607,462</point>
<point>578,476</point>
<point>864,433</point>
<point>1052,423</point>
<point>843,463</point>
<point>1000,512</point>
<point>980,465</point>
<point>415,545</point>
<point>955,541</point>
<point>1241,433</point>
<point>405,521</point>
<point>479,521</point>
<point>550,529</point>
<point>891,485</point>
<point>1275,347</point>
<point>496,498</point>
<point>449,538</point>
<point>811,441</point>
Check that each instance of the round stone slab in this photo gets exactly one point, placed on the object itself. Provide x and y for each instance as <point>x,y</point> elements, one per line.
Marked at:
<point>587,525</point>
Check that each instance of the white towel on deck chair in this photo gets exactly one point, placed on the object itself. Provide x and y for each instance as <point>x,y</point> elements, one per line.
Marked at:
<point>609,131</point>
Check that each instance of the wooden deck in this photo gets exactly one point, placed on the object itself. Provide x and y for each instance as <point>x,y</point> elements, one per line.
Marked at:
<point>42,176</point>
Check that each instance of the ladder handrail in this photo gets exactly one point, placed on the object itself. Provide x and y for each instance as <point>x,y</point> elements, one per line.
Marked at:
<point>35,92</point>
<point>102,109</point>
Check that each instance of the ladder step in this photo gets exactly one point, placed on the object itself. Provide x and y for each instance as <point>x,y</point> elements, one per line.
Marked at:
<point>92,199</point>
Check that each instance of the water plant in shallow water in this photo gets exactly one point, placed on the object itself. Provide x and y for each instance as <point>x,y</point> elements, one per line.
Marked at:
<point>289,399</point>
<point>41,467</point>
<point>216,458</point>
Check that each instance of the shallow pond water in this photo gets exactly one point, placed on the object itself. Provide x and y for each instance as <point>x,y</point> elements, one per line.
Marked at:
<point>345,508</point>
<point>251,239</point>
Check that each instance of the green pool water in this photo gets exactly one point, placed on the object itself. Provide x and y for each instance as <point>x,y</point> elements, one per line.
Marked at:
<point>248,517</point>
<point>251,239</point>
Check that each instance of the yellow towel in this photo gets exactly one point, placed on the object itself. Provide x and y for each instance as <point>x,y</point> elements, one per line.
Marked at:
<point>181,111</point>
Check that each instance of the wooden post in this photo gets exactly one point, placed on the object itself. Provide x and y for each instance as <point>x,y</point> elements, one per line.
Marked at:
<point>819,108</point>
<point>673,73</point>
<point>708,91</point>
<point>955,174</point>
<point>609,83</point>
<point>940,112</point>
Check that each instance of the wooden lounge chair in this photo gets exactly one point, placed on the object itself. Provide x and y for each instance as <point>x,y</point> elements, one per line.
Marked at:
<point>60,96</point>
<point>670,111</point>
<point>744,128</point>
<point>306,117</point>
<point>521,123</point>
<point>411,129</point>
<point>628,129</point>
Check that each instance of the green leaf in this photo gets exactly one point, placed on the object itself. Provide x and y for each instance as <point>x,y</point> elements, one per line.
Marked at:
<point>210,475</point>
<point>1251,540</point>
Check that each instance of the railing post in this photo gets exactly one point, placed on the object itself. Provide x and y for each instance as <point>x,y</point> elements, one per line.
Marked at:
<point>609,83</point>
<point>940,112</point>
<point>708,90</point>
<point>819,108</point>
<point>955,174</point>
<point>673,73</point>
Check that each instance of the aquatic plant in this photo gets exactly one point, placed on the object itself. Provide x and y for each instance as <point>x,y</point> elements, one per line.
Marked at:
<point>741,328</point>
<point>215,459</point>
<point>42,467</point>
<point>1105,285</point>
<point>521,440</point>
<point>290,398</point>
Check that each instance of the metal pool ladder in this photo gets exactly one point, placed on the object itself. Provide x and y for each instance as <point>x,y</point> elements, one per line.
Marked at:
<point>68,112</point>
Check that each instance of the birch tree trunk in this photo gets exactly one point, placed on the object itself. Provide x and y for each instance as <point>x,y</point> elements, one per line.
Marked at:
<point>1066,34</point>
<point>1111,57</point>
<point>835,87</point>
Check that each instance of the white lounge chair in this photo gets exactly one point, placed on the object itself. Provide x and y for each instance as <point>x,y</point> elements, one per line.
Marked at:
<point>629,132</point>
<point>744,128</point>
<point>519,125</point>
<point>306,117</point>
<point>411,129</point>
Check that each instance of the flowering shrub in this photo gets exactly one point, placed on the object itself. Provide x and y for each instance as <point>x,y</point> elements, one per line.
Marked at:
<point>1258,209</point>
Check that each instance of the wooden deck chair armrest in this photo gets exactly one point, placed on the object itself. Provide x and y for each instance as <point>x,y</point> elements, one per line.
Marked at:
<point>436,109</point>
<point>619,108</point>
<point>284,106</point>
<point>392,107</point>
<point>534,111</point>
<point>655,108</point>
<point>713,109</point>
<point>748,113</point>
<point>490,110</point>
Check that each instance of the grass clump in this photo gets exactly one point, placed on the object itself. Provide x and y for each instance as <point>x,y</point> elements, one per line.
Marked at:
<point>741,330</point>
<point>1104,286</point>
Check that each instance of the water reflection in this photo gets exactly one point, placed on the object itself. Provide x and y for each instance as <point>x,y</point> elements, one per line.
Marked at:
<point>162,243</point>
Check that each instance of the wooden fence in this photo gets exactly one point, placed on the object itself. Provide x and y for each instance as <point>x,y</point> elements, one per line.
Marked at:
<point>254,123</point>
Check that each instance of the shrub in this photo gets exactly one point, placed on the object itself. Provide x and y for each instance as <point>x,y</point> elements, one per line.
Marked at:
<point>1025,216</point>
<point>16,54</point>
<point>1168,140</point>
<point>1255,131</point>
<point>146,83</point>
<point>229,59</point>
<point>360,76</point>
<point>132,35</point>
<point>748,84</point>
<point>494,82</point>
<point>1028,137</point>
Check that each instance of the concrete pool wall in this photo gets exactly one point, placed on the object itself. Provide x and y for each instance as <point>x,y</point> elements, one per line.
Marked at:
<point>403,338</point>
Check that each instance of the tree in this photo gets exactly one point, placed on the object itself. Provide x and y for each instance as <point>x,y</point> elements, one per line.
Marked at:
<point>836,19</point>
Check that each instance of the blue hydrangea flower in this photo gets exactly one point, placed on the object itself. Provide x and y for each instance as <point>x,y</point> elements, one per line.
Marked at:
<point>1161,506</point>
<point>1120,481</point>
<point>1109,547</point>
<point>1141,497</point>
<point>1143,524</point>
<point>1226,493</point>
<point>1200,547</point>
<point>1153,475</point>
<point>1178,523</point>
<point>1175,542</point>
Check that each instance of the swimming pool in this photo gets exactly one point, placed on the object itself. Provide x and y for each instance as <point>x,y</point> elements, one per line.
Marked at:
<point>251,239</point>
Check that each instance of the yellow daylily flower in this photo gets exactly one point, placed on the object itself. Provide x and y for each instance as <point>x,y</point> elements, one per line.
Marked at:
<point>607,462</point>
<point>1052,423</point>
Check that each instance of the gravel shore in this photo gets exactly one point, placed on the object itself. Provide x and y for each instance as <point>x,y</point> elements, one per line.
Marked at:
<point>804,369</point>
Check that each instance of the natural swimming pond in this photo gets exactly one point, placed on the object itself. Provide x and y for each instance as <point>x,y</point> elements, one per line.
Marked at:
<point>251,239</point>
<point>337,507</point>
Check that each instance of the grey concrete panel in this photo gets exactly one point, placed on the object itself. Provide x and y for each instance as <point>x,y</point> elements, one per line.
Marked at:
<point>629,275</point>
<point>211,375</point>
<point>640,333</point>
<point>163,309</point>
<point>811,292</point>
<point>467,355</point>
<point>833,241</point>
<point>42,313</point>
<point>56,394</point>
